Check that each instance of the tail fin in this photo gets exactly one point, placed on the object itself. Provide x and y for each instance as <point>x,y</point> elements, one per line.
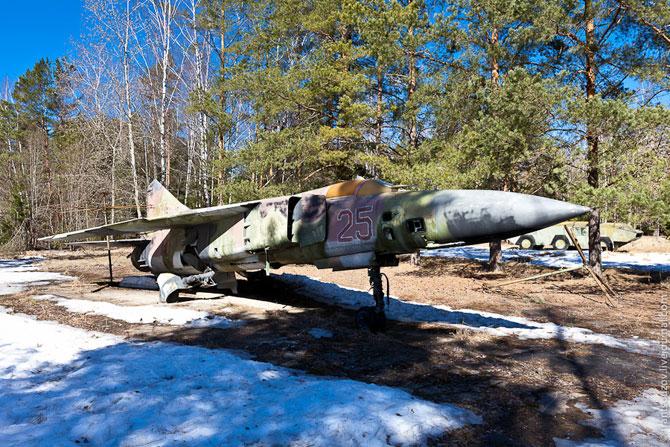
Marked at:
<point>161,203</point>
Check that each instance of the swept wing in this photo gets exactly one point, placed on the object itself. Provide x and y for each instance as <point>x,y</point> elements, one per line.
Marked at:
<point>185,218</point>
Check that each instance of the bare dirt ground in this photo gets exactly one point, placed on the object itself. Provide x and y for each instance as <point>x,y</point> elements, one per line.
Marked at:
<point>525,390</point>
<point>571,299</point>
<point>647,244</point>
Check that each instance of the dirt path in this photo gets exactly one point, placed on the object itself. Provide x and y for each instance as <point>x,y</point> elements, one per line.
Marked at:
<point>526,390</point>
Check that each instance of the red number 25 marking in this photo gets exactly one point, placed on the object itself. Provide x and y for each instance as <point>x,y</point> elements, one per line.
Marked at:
<point>357,225</point>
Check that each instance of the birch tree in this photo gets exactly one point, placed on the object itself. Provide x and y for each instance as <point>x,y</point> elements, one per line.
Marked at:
<point>599,48</point>
<point>161,17</point>
<point>196,49</point>
<point>116,22</point>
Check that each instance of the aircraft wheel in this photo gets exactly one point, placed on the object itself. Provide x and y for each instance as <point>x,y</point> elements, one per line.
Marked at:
<point>256,276</point>
<point>171,298</point>
<point>369,318</point>
<point>169,285</point>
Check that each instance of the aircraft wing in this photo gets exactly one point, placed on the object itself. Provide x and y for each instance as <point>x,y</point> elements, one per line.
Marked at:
<point>185,218</point>
<point>112,242</point>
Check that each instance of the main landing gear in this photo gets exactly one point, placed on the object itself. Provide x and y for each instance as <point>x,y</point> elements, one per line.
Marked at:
<point>374,317</point>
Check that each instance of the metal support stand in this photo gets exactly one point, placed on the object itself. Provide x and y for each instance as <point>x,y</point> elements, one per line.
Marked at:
<point>109,254</point>
<point>374,317</point>
<point>374,273</point>
<point>109,263</point>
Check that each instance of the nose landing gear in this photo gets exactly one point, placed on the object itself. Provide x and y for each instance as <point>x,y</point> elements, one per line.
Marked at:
<point>374,317</point>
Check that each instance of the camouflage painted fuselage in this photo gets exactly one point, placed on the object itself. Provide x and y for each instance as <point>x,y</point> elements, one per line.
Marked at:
<point>354,224</point>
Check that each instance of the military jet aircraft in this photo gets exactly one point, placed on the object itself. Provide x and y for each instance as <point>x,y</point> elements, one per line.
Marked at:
<point>348,225</point>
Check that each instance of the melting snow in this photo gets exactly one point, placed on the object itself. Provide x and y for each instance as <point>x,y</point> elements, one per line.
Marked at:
<point>561,258</point>
<point>60,385</point>
<point>17,274</point>
<point>147,314</point>
<point>641,422</point>
<point>491,323</point>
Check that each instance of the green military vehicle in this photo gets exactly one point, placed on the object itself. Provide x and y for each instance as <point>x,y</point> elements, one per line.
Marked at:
<point>612,236</point>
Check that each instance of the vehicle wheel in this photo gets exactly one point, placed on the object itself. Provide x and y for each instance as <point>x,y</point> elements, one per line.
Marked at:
<point>560,243</point>
<point>525,242</point>
<point>606,243</point>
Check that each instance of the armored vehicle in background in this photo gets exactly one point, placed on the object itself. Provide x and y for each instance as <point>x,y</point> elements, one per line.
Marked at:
<point>612,236</point>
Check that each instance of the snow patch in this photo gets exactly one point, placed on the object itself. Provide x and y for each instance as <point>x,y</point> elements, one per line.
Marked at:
<point>646,262</point>
<point>16,275</point>
<point>145,314</point>
<point>637,422</point>
<point>60,385</point>
<point>491,323</point>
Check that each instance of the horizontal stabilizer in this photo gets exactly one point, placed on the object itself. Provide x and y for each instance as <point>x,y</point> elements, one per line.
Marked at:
<point>113,242</point>
<point>185,218</point>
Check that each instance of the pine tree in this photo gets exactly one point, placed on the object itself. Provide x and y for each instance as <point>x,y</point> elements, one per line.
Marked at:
<point>597,46</point>
<point>504,126</point>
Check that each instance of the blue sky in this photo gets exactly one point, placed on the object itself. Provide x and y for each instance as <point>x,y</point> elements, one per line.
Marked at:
<point>32,29</point>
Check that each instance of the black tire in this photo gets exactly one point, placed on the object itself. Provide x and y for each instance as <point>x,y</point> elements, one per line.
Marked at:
<point>560,243</point>
<point>172,298</point>
<point>257,276</point>
<point>607,242</point>
<point>526,242</point>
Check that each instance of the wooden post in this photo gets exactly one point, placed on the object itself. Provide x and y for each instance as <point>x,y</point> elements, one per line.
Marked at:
<point>541,275</point>
<point>609,293</point>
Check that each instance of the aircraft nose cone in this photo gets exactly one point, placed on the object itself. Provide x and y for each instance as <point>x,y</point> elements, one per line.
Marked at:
<point>489,215</point>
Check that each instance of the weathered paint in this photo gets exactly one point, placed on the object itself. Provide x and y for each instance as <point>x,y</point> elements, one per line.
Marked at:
<point>309,220</point>
<point>354,224</point>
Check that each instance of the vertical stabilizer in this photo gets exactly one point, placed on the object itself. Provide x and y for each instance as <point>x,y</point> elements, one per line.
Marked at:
<point>160,202</point>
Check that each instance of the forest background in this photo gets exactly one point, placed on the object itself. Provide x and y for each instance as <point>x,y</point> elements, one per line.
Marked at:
<point>232,100</point>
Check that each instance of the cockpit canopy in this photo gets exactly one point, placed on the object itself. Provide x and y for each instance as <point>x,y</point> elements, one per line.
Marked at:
<point>359,187</point>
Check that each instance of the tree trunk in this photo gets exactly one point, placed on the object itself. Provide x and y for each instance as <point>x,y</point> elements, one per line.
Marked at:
<point>411,89</point>
<point>190,143</point>
<point>202,124</point>
<point>380,109</point>
<point>495,256</point>
<point>222,137</point>
<point>113,177</point>
<point>146,161</point>
<point>204,159</point>
<point>495,247</point>
<point>129,111</point>
<point>162,150</point>
<point>164,12</point>
<point>495,66</point>
<point>592,136</point>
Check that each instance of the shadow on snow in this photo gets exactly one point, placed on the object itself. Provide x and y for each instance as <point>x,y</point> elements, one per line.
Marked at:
<point>330,293</point>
